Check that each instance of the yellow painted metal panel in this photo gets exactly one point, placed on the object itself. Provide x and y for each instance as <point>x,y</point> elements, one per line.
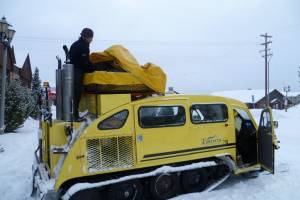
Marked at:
<point>108,102</point>
<point>102,103</point>
<point>72,166</point>
<point>57,138</point>
<point>187,139</point>
<point>88,102</point>
<point>45,142</point>
<point>75,164</point>
<point>156,140</point>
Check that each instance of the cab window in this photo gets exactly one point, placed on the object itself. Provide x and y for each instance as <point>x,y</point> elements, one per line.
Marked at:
<point>208,113</point>
<point>243,113</point>
<point>161,116</point>
<point>266,120</point>
<point>115,121</point>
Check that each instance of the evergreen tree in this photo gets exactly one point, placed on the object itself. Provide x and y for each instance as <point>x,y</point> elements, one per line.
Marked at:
<point>18,105</point>
<point>35,90</point>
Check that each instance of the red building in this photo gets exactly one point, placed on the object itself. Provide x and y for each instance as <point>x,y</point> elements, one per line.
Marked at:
<point>52,94</point>
<point>13,71</point>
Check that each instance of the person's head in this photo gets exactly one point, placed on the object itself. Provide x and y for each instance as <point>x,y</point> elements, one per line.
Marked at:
<point>87,35</point>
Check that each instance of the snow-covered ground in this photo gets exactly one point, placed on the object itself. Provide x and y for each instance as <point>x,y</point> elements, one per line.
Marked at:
<point>16,161</point>
<point>15,166</point>
<point>284,184</point>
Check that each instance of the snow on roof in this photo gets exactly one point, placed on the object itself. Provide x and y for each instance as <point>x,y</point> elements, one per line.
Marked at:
<point>242,95</point>
<point>274,100</point>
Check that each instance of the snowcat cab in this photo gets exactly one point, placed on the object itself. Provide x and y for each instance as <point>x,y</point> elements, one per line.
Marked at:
<point>137,143</point>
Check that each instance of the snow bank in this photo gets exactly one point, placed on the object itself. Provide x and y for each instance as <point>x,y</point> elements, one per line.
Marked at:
<point>16,161</point>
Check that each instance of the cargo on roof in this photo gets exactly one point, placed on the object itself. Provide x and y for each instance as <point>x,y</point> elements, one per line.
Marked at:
<point>117,68</point>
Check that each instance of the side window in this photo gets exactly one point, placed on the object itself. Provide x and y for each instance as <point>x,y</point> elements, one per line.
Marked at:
<point>160,116</point>
<point>209,113</point>
<point>266,120</point>
<point>243,120</point>
<point>243,113</point>
<point>115,121</point>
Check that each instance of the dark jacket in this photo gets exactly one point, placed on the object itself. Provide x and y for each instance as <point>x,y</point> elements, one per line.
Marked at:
<point>79,54</point>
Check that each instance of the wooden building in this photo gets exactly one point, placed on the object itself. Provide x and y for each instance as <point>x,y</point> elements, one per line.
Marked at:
<point>23,73</point>
<point>256,98</point>
<point>276,99</point>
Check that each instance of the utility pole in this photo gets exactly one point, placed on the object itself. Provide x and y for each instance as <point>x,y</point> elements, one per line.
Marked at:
<point>267,61</point>
<point>286,90</point>
<point>298,95</point>
<point>299,75</point>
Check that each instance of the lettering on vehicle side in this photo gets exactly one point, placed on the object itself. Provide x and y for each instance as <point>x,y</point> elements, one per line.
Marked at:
<point>214,140</point>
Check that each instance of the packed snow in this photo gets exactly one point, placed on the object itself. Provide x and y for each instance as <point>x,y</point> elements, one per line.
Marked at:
<point>17,156</point>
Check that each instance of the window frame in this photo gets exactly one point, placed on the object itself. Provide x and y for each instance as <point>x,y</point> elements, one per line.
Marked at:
<point>161,126</point>
<point>265,120</point>
<point>245,112</point>
<point>99,124</point>
<point>216,122</point>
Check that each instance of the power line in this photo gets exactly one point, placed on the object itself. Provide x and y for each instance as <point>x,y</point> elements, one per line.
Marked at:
<point>267,62</point>
<point>138,42</point>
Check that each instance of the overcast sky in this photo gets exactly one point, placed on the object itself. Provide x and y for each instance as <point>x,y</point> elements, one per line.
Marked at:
<point>203,46</point>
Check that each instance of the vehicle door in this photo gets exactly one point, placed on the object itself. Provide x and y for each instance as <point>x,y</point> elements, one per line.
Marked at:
<point>210,127</point>
<point>265,140</point>
<point>160,129</point>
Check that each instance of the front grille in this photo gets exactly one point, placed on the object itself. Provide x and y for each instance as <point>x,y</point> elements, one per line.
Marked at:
<point>109,153</point>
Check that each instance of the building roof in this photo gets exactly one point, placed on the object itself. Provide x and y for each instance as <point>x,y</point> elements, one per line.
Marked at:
<point>24,73</point>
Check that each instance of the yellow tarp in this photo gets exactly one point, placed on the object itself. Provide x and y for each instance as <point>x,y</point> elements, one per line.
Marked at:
<point>150,74</point>
<point>117,78</point>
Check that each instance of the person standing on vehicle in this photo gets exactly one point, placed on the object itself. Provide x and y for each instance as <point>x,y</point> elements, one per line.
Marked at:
<point>79,57</point>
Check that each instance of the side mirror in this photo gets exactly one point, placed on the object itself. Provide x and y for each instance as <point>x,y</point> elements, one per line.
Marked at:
<point>275,123</point>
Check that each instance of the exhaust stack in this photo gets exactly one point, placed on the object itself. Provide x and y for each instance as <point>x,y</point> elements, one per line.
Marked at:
<point>59,97</point>
<point>64,88</point>
<point>67,91</point>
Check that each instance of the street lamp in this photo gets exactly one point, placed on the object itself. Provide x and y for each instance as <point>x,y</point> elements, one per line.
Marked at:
<point>6,36</point>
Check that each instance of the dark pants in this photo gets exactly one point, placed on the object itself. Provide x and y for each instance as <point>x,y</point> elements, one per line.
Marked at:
<point>78,89</point>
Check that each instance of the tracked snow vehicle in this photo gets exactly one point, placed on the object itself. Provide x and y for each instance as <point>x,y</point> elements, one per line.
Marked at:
<point>137,143</point>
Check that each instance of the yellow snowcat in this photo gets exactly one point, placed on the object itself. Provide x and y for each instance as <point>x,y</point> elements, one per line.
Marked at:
<point>136,142</point>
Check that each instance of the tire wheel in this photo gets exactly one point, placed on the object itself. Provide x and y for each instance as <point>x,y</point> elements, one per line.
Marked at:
<point>194,180</point>
<point>163,186</point>
<point>125,191</point>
